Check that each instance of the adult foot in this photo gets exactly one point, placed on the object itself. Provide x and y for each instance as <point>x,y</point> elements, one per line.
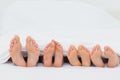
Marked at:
<point>113,59</point>
<point>96,56</point>
<point>49,51</point>
<point>33,52</point>
<point>15,52</point>
<point>85,56</point>
<point>73,56</point>
<point>58,54</point>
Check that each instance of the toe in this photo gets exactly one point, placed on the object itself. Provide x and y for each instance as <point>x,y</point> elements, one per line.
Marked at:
<point>59,47</point>
<point>52,44</point>
<point>111,50</point>
<point>54,41</point>
<point>46,47</point>
<point>71,48</point>
<point>17,37</point>
<point>97,45</point>
<point>80,47</point>
<point>93,50</point>
<point>106,48</point>
<point>28,39</point>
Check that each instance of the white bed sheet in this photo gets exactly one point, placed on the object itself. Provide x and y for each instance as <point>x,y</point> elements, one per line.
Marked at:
<point>10,72</point>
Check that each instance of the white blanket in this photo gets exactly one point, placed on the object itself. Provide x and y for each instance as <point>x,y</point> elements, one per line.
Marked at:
<point>67,22</point>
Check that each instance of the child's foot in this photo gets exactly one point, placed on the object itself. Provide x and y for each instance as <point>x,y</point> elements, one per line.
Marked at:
<point>113,59</point>
<point>58,54</point>
<point>48,54</point>
<point>85,55</point>
<point>33,52</point>
<point>15,52</point>
<point>72,56</point>
<point>96,56</point>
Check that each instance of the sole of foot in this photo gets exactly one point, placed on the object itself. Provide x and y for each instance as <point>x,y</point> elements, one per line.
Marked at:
<point>49,51</point>
<point>84,53</point>
<point>58,54</point>
<point>33,52</point>
<point>96,56</point>
<point>15,52</point>
<point>113,59</point>
<point>73,56</point>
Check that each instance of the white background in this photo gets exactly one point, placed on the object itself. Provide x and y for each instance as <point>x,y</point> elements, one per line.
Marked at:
<point>111,6</point>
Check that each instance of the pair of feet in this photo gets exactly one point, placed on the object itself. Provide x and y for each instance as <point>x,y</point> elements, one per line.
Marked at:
<point>53,49</point>
<point>95,56</point>
<point>73,54</point>
<point>32,50</point>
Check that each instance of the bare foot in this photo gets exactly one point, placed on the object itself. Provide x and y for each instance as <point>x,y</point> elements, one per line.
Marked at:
<point>48,54</point>
<point>85,55</point>
<point>33,52</point>
<point>15,52</point>
<point>112,56</point>
<point>58,54</point>
<point>73,57</point>
<point>96,56</point>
